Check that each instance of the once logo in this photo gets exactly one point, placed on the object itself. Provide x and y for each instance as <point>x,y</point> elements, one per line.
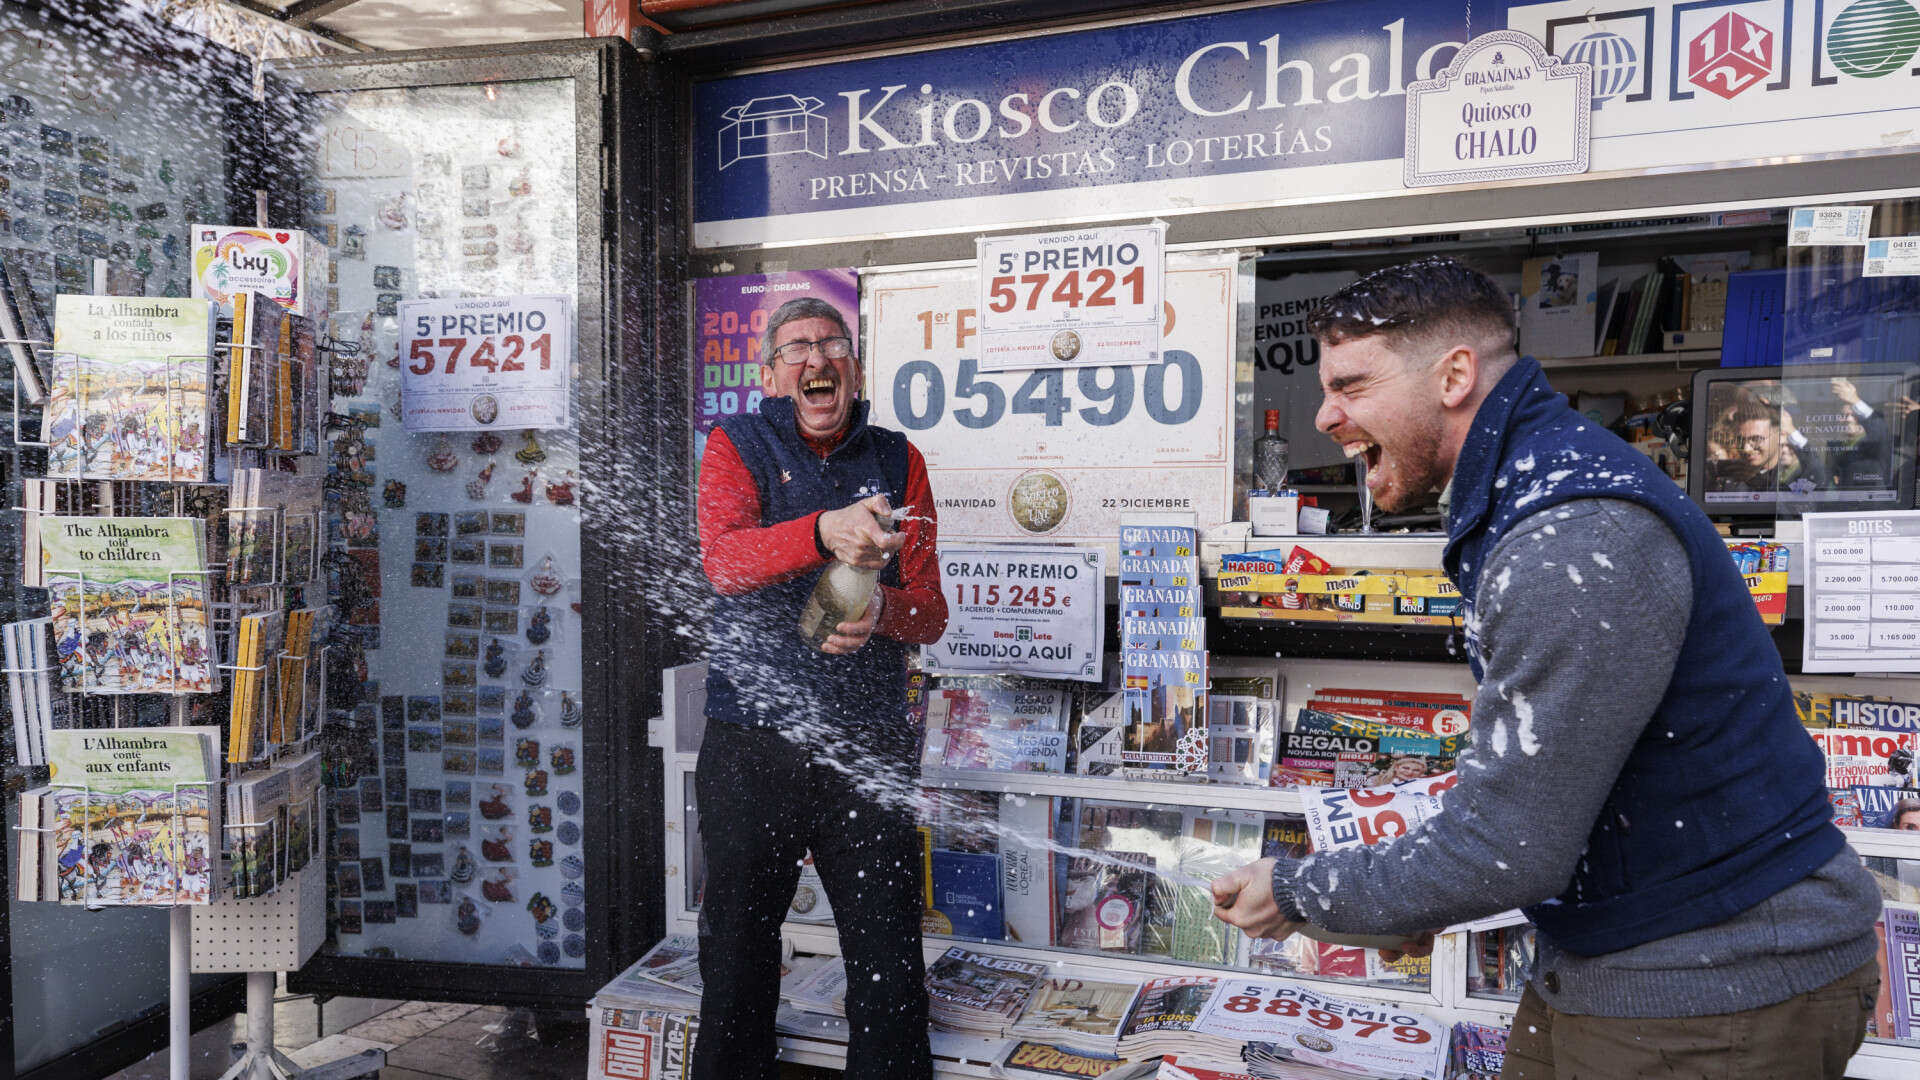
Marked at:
<point>1731,55</point>
<point>1615,63</point>
<point>1874,38</point>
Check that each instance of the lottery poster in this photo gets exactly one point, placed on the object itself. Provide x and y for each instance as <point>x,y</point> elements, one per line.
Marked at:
<point>730,316</point>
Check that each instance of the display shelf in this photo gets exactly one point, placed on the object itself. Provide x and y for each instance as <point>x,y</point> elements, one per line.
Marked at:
<point>1067,785</point>
<point>1681,360</point>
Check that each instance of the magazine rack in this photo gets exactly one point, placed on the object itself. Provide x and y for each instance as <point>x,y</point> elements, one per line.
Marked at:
<point>17,440</point>
<point>257,935</point>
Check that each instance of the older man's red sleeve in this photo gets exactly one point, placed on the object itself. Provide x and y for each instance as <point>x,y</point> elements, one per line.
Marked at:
<point>737,552</point>
<point>916,612</point>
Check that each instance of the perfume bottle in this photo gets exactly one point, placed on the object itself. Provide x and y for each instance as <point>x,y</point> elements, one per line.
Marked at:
<point>1270,457</point>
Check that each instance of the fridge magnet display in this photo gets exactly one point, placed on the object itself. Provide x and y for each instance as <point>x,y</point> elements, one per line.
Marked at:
<point>441,457</point>
<point>470,523</point>
<point>492,761</point>
<point>406,901</point>
<point>386,277</point>
<point>568,833</point>
<point>573,868</point>
<point>496,844</point>
<point>464,616</point>
<point>502,592</point>
<point>424,740</point>
<point>371,800</point>
<point>495,664</point>
<point>469,552</point>
<point>396,784</point>
<point>464,866</point>
<point>560,493</point>
<point>540,852</point>
<point>393,213</point>
<point>346,844</point>
<point>535,673</point>
<point>505,556</point>
<point>429,549</point>
<point>346,811</point>
<point>540,819</point>
<point>490,731</point>
<point>424,800</point>
<point>573,945</point>
<point>428,575</point>
<point>524,493</point>
<point>477,487</point>
<point>536,782</point>
<point>458,674</point>
<point>459,824</point>
<point>560,759</point>
<point>539,627</point>
<point>509,523</point>
<point>569,710</point>
<point>498,887</point>
<point>350,917</point>
<point>525,713</point>
<point>568,802</point>
<point>463,646</point>
<point>486,444</point>
<point>458,762</point>
<point>530,452</point>
<point>466,916</point>
<point>458,733</point>
<point>490,699</point>
<point>546,579</point>
<point>430,524</point>
<point>526,753</point>
<point>429,830</point>
<point>459,793</point>
<point>495,806</point>
<point>380,911</point>
<point>430,864</point>
<point>423,709</point>
<point>433,892</point>
<point>458,703</point>
<point>504,621</point>
<point>467,586</point>
<point>400,860</point>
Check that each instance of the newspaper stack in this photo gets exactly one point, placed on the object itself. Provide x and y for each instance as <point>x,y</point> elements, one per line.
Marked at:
<point>977,993</point>
<point>1174,1068</point>
<point>1161,1023</point>
<point>1077,1014</point>
<point>815,984</point>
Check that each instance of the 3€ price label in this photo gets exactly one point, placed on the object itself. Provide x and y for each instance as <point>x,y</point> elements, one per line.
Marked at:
<point>475,363</point>
<point>1072,299</point>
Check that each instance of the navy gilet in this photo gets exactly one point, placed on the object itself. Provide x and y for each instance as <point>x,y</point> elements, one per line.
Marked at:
<point>1721,803</point>
<point>760,672</point>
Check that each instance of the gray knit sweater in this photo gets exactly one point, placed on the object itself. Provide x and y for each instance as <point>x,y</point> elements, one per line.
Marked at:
<point>1581,613</point>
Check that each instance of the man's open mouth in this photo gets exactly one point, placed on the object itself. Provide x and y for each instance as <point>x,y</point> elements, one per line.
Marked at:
<point>818,390</point>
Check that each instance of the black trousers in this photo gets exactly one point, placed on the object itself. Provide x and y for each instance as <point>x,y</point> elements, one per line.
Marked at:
<point>764,802</point>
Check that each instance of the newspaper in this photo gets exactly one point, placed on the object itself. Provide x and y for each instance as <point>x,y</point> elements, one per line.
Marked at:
<point>1292,1023</point>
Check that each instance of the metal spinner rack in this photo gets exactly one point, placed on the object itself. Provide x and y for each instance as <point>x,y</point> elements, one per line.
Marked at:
<point>257,935</point>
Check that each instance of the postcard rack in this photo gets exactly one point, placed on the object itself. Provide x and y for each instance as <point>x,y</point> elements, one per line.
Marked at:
<point>258,935</point>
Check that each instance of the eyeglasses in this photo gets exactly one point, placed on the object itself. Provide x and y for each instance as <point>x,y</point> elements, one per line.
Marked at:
<point>796,352</point>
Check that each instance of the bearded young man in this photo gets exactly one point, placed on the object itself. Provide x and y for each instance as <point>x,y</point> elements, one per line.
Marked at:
<point>810,751</point>
<point>1637,782</point>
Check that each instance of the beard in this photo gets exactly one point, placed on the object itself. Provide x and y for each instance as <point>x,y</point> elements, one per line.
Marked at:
<point>1413,472</point>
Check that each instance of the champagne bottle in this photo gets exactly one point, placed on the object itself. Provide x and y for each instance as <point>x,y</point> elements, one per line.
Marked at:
<point>842,593</point>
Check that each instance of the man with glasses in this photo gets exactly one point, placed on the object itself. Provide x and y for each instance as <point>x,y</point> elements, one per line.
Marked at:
<point>1638,782</point>
<point>805,750</point>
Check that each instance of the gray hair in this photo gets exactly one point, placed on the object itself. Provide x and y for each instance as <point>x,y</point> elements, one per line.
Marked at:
<point>806,307</point>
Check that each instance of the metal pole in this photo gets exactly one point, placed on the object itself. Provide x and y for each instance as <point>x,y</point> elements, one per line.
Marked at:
<point>180,992</point>
<point>260,988</point>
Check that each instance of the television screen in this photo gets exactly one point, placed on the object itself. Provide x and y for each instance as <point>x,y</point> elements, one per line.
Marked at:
<point>1768,441</point>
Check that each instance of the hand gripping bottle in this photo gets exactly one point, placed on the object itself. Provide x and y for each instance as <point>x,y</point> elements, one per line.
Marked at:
<point>843,592</point>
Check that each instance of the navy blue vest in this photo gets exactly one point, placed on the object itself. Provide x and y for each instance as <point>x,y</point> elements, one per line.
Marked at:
<point>759,670</point>
<point>1721,803</point>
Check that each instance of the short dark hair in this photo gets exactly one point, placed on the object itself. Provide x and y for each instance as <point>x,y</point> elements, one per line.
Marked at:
<point>1416,301</point>
<point>806,307</point>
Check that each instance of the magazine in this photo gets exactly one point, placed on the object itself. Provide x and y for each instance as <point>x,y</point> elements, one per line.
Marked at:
<point>131,383</point>
<point>1084,1014</point>
<point>979,992</point>
<point>673,963</point>
<point>1867,758</point>
<point>134,817</point>
<point>1163,1017</point>
<point>999,729</point>
<point>129,604</point>
<point>1024,1058</point>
